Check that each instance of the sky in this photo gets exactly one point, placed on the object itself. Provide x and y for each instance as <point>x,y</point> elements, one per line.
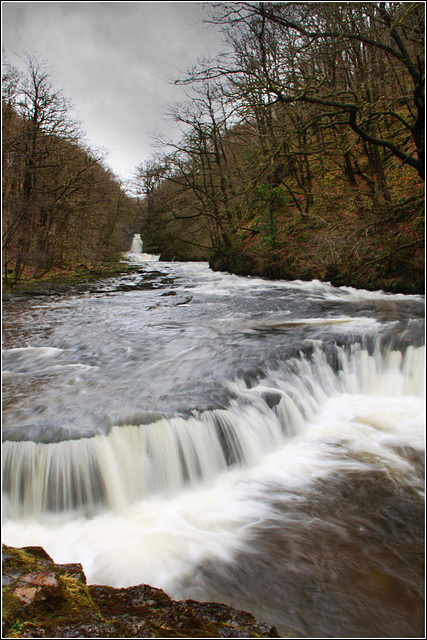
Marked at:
<point>115,61</point>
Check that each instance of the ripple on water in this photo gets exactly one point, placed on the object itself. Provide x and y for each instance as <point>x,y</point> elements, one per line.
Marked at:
<point>225,438</point>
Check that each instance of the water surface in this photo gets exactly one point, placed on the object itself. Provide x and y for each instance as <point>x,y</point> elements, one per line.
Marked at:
<point>236,439</point>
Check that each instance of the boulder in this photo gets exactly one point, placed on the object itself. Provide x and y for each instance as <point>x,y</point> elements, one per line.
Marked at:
<point>42,599</point>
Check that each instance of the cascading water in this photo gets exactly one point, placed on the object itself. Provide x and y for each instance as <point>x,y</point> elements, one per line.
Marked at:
<point>136,255</point>
<point>252,442</point>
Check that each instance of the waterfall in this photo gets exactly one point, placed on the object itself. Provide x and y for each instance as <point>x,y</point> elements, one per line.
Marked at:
<point>134,461</point>
<point>136,255</point>
<point>136,246</point>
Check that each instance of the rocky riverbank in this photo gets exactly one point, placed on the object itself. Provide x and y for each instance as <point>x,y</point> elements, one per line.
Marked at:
<point>42,599</point>
<point>79,279</point>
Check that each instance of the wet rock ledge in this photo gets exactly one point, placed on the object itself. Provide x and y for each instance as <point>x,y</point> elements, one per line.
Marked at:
<point>42,599</point>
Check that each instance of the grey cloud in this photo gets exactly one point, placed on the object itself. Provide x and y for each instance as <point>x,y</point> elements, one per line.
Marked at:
<point>114,60</point>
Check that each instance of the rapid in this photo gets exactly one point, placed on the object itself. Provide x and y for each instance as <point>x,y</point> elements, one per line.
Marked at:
<point>254,442</point>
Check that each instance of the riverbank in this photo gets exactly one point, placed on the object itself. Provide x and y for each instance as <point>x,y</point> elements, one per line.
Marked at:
<point>405,279</point>
<point>372,252</point>
<point>348,237</point>
<point>42,599</point>
<point>61,281</point>
<point>406,275</point>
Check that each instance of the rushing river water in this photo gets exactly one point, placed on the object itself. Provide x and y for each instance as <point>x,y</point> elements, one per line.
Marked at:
<point>225,438</point>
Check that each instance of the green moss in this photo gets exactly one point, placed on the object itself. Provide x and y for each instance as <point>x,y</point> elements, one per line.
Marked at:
<point>10,606</point>
<point>28,558</point>
<point>76,596</point>
<point>63,599</point>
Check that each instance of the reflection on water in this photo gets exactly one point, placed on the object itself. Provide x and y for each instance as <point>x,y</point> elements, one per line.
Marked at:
<point>254,442</point>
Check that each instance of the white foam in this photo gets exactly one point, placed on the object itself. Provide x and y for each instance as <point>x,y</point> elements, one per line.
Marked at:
<point>161,540</point>
<point>136,254</point>
<point>47,352</point>
<point>161,522</point>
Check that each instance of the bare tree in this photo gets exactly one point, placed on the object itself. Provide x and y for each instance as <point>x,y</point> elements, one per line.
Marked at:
<point>363,62</point>
<point>59,201</point>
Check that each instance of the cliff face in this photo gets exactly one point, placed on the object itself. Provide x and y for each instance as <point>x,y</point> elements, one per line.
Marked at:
<point>42,599</point>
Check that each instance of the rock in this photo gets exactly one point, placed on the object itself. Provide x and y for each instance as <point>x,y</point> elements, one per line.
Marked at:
<point>42,599</point>
<point>39,595</point>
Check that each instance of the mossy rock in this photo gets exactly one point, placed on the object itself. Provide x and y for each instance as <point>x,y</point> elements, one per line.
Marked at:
<point>40,595</point>
<point>42,599</point>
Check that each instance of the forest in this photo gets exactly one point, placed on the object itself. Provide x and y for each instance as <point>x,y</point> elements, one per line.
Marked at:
<point>61,205</point>
<point>303,147</point>
<point>301,156</point>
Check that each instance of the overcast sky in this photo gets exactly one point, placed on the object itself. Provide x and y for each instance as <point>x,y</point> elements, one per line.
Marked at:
<point>113,60</point>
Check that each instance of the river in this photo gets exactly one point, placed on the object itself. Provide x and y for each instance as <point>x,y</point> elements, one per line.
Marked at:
<point>254,442</point>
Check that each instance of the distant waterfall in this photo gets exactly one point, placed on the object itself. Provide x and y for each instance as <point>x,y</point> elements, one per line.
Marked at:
<point>136,246</point>
<point>135,254</point>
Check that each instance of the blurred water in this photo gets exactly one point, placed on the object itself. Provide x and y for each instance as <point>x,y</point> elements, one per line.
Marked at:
<point>255,442</point>
<point>136,254</point>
